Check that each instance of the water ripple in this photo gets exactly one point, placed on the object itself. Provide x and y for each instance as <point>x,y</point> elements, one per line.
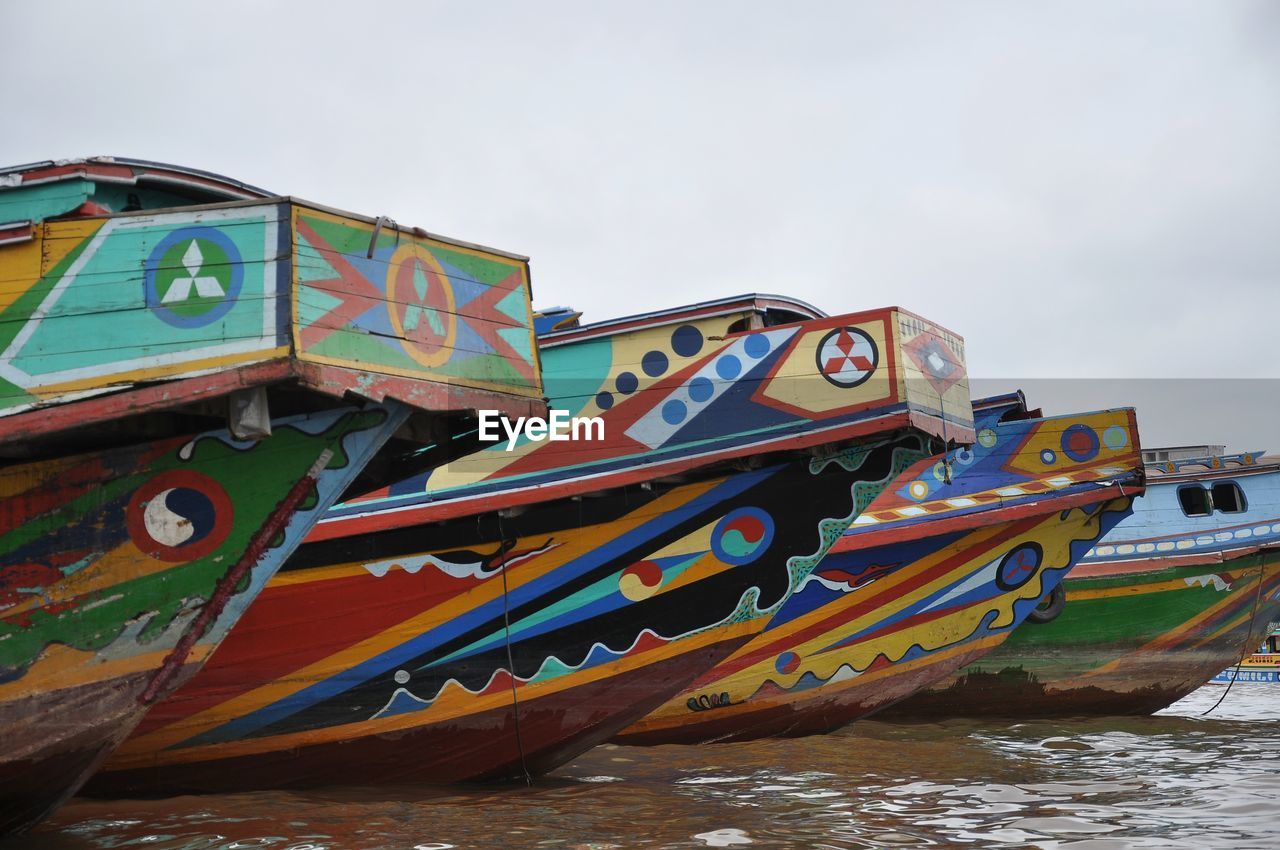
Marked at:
<point>1178,780</point>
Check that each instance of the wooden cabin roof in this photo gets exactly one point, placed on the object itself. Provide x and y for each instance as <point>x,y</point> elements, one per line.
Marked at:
<point>700,310</point>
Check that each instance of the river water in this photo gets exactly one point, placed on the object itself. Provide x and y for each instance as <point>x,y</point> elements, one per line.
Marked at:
<point>1176,780</point>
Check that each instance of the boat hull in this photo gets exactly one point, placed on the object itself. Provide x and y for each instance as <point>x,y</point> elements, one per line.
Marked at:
<point>1127,643</point>
<point>75,730</point>
<point>120,571</point>
<point>613,606</point>
<point>489,743</point>
<point>878,625</point>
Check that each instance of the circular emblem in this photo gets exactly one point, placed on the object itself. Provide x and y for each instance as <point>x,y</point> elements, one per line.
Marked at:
<point>420,300</point>
<point>787,663</point>
<point>742,536</point>
<point>640,580</point>
<point>179,515</point>
<point>1080,443</point>
<point>847,357</point>
<point>193,277</point>
<point>1115,438</point>
<point>1018,566</point>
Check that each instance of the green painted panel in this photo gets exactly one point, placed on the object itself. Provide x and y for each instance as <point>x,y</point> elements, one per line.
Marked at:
<point>144,293</point>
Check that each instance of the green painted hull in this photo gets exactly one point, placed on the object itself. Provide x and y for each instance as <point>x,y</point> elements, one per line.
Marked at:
<point>1130,642</point>
<point>122,570</point>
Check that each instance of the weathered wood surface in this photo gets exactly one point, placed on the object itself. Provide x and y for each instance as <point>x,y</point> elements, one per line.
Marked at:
<point>122,570</point>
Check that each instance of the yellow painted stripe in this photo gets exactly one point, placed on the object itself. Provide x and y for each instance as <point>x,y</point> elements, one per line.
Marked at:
<point>673,719</point>
<point>25,264</point>
<point>28,476</point>
<point>61,667</point>
<point>532,390</point>
<point>1127,590</point>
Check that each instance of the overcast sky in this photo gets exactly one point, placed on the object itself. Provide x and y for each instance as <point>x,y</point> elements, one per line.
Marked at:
<point>1080,189</point>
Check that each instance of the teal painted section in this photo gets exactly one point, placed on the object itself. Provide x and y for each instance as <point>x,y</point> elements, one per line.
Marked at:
<point>36,203</point>
<point>50,200</point>
<point>565,371</point>
<point>150,292</point>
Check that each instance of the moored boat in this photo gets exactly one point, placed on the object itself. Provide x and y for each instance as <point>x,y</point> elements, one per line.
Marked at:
<point>1262,665</point>
<point>182,401</point>
<point>740,438</point>
<point>938,570</point>
<point>1178,591</point>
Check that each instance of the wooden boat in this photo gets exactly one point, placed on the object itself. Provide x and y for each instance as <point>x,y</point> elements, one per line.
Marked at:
<point>1176,592</point>
<point>1262,665</point>
<point>936,572</point>
<point>504,643</point>
<point>695,386</point>
<point>185,391</point>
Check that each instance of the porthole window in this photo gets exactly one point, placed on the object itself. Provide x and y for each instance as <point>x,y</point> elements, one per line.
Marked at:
<point>1229,498</point>
<point>1194,500</point>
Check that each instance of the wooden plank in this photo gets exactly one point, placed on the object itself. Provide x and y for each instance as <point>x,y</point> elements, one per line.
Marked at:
<point>61,417</point>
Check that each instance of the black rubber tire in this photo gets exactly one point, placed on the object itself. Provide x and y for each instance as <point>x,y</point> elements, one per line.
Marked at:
<point>1050,607</point>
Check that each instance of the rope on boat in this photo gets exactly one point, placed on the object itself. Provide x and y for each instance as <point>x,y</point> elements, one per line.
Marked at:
<point>511,664</point>
<point>1262,575</point>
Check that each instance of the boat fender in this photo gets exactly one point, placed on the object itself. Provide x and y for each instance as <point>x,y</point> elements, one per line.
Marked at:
<point>1050,606</point>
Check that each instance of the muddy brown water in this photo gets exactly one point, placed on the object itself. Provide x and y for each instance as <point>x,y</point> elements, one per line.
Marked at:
<point>1176,780</point>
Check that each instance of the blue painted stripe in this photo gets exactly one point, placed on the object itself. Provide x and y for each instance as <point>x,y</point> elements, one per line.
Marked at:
<point>401,655</point>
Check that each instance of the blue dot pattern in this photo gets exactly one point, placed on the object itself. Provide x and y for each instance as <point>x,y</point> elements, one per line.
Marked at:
<point>654,363</point>
<point>686,341</point>
<point>728,367</point>
<point>756,346</point>
<point>701,389</point>
<point>627,383</point>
